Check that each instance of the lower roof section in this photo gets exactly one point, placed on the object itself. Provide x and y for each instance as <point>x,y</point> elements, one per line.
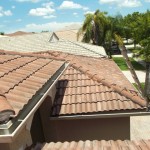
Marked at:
<point>77,94</point>
<point>97,145</point>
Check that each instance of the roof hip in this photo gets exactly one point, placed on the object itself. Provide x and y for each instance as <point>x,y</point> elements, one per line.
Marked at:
<point>121,90</point>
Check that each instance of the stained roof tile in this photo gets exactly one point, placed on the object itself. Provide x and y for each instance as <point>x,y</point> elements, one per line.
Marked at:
<point>21,78</point>
<point>80,94</point>
<point>87,86</point>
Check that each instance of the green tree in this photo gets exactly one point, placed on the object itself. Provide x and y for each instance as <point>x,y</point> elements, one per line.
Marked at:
<point>133,22</point>
<point>94,28</point>
<point>144,54</point>
<point>1,33</point>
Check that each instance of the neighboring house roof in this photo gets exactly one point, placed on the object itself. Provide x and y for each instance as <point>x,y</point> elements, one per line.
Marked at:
<point>19,33</point>
<point>97,145</point>
<point>21,78</point>
<point>69,35</point>
<point>43,42</point>
<point>92,85</point>
<point>3,36</point>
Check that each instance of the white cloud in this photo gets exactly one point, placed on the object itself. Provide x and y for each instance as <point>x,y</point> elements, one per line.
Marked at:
<point>75,14</point>
<point>49,17</point>
<point>52,26</point>
<point>5,12</point>
<point>18,20</point>
<point>13,7</point>
<point>49,4</point>
<point>41,11</point>
<point>71,5</point>
<point>32,1</point>
<point>125,3</point>
<point>108,1</point>
<point>130,3</point>
<point>44,11</point>
<point>89,12</point>
<point>1,15</point>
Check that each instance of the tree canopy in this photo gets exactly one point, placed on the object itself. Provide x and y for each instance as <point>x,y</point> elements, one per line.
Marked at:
<point>100,28</point>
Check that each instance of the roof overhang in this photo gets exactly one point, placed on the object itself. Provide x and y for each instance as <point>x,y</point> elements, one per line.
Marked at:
<point>103,115</point>
<point>9,131</point>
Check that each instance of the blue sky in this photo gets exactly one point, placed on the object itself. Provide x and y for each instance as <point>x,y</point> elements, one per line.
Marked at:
<point>38,15</point>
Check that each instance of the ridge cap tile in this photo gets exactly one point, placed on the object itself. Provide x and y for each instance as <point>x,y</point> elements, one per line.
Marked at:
<point>121,90</point>
<point>6,109</point>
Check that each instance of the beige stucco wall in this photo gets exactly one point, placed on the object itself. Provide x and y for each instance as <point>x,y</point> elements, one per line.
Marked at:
<point>22,141</point>
<point>82,129</point>
<point>89,129</point>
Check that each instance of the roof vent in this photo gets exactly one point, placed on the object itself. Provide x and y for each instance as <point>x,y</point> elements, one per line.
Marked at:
<point>54,38</point>
<point>6,109</point>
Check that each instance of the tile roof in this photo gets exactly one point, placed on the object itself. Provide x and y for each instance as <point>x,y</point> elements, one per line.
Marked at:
<point>68,35</point>
<point>21,77</point>
<point>97,145</point>
<point>40,42</point>
<point>78,94</point>
<point>92,85</point>
<point>19,33</point>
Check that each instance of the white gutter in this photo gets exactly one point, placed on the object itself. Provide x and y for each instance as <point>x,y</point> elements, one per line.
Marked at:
<point>8,138</point>
<point>93,116</point>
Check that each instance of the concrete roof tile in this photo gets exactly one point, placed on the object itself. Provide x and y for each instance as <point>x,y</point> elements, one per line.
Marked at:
<point>96,145</point>
<point>40,42</point>
<point>97,85</point>
<point>21,78</point>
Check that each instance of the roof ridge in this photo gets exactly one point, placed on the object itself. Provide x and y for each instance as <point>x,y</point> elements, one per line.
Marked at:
<point>51,52</point>
<point>121,90</point>
<point>54,57</point>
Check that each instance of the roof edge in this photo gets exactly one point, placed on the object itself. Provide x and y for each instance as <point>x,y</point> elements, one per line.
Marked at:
<point>8,134</point>
<point>103,115</point>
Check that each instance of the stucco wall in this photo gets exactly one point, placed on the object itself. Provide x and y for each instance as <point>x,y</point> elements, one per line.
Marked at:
<point>89,129</point>
<point>22,141</point>
<point>82,129</point>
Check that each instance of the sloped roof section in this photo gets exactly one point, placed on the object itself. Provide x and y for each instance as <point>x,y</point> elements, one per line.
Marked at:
<point>69,35</point>
<point>19,33</point>
<point>92,85</point>
<point>78,94</point>
<point>41,42</point>
<point>97,145</point>
<point>21,77</point>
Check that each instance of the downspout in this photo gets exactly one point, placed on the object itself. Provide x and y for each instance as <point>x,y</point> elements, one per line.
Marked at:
<point>10,133</point>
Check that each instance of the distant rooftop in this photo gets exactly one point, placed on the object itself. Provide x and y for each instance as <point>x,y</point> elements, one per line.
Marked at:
<point>45,42</point>
<point>18,33</point>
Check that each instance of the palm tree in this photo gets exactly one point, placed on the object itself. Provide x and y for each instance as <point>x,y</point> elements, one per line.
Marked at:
<point>94,28</point>
<point>144,54</point>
